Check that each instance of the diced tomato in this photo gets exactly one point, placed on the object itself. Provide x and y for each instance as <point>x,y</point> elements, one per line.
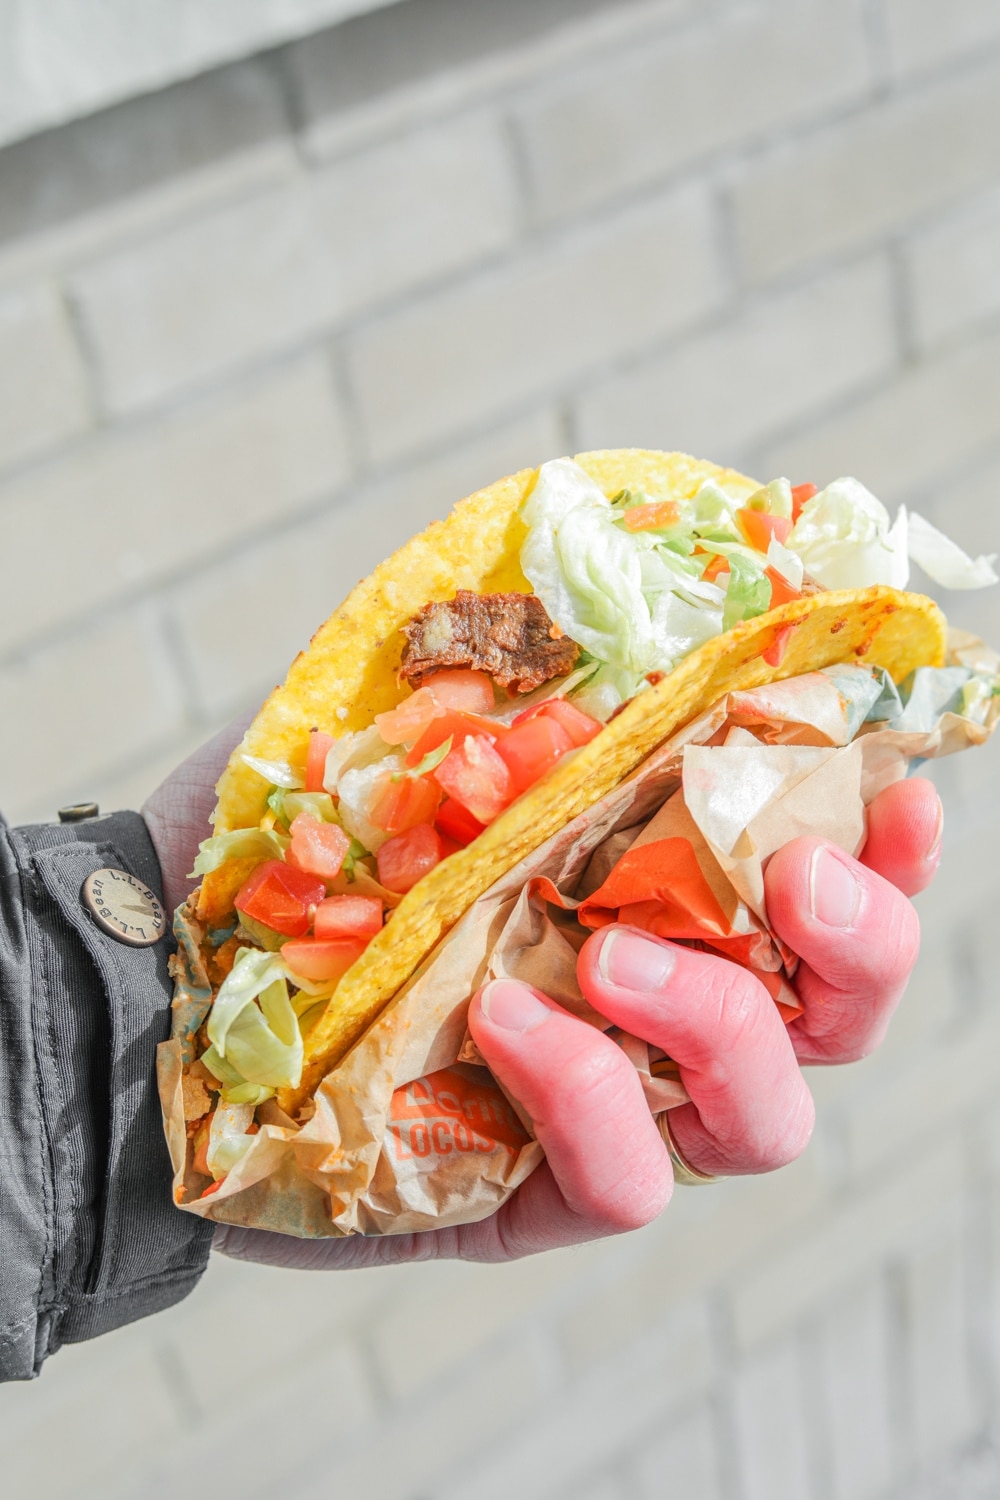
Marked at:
<point>719,564</point>
<point>531,749</point>
<point>456,823</point>
<point>758,527</point>
<point>476,775</point>
<point>409,721</point>
<point>470,692</point>
<point>404,860</point>
<point>322,959</point>
<point>348,917</point>
<point>453,725</point>
<point>781,590</point>
<point>801,495</point>
<point>652,517</point>
<point>281,896</point>
<point>464,691</point>
<point>775,653</point>
<point>318,848</point>
<point>213,1187</point>
<point>319,744</point>
<point>580,727</point>
<point>398,805</point>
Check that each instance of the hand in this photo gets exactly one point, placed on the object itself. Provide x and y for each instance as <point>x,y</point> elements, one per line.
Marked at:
<point>606,1169</point>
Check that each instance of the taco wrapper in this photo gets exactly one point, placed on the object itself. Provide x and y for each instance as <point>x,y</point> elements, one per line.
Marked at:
<point>410,1130</point>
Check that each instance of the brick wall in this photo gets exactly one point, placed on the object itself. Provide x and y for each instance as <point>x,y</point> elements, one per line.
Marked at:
<point>261,326</point>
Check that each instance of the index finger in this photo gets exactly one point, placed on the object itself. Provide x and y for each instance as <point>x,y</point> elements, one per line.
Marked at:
<point>751,1110</point>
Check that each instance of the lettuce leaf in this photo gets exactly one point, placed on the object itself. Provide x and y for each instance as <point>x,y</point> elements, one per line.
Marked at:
<point>260,1040</point>
<point>845,540</point>
<point>944,561</point>
<point>242,843</point>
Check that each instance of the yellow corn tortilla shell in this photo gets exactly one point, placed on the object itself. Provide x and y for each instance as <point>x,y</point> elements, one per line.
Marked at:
<point>353,660</point>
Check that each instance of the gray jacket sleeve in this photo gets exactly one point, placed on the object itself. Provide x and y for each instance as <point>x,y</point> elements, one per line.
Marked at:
<point>89,1237</point>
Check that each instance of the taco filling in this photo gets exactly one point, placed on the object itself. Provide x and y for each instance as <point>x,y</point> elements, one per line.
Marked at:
<point>495,690</point>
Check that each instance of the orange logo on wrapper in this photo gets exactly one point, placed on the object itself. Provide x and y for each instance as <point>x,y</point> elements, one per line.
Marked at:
<point>448,1113</point>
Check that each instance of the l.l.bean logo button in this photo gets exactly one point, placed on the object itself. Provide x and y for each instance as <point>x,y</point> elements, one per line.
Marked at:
<point>124,907</point>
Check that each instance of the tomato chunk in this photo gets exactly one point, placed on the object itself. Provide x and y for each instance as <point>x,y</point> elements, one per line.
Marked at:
<point>404,860</point>
<point>319,745</point>
<point>775,653</point>
<point>758,527</point>
<point>580,727</point>
<point>781,590</point>
<point>319,960</point>
<point>457,824</point>
<point>453,724</point>
<point>531,749</point>
<point>281,896</point>
<point>409,721</point>
<point>348,917</point>
<point>318,848</point>
<point>471,692</point>
<point>398,805</point>
<point>652,517</point>
<point>719,564</point>
<point>801,495</point>
<point>463,691</point>
<point>477,776</point>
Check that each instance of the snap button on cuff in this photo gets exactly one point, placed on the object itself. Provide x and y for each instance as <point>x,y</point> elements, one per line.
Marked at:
<point>123,907</point>
<point>78,811</point>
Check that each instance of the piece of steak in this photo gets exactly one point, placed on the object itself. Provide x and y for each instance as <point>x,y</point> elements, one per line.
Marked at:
<point>510,636</point>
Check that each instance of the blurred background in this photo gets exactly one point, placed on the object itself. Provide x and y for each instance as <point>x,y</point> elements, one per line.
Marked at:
<point>280,280</point>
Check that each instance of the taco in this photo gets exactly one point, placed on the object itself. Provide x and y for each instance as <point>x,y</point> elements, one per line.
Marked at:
<point>498,675</point>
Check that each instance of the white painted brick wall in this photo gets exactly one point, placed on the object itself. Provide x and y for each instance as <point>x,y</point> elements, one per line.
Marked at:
<point>954,271</point>
<point>721,83</point>
<point>923,34</point>
<point>785,357</point>
<point>856,1375</point>
<point>844,185</point>
<point>45,392</point>
<point>259,329</point>
<point>134,507</point>
<point>770,1416</point>
<point>501,340</point>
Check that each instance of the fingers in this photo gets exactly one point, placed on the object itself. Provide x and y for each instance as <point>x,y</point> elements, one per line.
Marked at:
<point>905,824</point>
<point>858,939</point>
<point>751,1110</point>
<point>606,1167</point>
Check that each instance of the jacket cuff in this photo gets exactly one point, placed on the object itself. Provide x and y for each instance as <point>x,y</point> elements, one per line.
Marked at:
<point>91,1237</point>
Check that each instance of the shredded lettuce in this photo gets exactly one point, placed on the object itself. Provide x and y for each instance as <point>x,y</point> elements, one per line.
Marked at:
<point>242,843</point>
<point>430,761</point>
<point>228,1141</point>
<point>252,1024</point>
<point>277,772</point>
<point>845,541</point>
<point>637,602</point>
<point>944,561</point>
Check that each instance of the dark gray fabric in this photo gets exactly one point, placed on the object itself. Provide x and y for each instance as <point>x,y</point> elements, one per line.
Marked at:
<point>89,1236</point>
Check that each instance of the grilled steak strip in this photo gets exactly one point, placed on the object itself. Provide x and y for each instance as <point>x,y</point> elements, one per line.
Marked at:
<point>510,636</point>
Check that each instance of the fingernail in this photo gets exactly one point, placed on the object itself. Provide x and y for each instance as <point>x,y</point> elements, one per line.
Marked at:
<point>834,892</point>
<point>633,962</point>
<point>935,848</point>
<point>512,1007</point>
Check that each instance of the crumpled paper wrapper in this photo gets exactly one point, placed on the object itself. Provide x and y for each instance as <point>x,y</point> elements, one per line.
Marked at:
<point>410,1130</point>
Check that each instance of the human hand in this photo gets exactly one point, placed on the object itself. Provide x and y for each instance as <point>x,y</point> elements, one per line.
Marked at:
<point>606,1168</point>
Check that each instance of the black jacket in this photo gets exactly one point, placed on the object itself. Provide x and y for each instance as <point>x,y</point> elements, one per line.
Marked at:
<point>89,1237</point>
